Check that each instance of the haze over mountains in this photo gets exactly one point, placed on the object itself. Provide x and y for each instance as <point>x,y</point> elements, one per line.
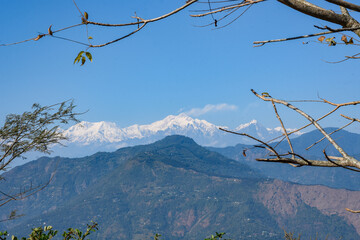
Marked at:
<point>88,138</point>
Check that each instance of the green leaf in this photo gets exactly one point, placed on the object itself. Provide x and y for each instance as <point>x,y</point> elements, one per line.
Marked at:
<point>83,60</point>
<point>330,39</point>
<point>78,57</point>
<point>89,56</point>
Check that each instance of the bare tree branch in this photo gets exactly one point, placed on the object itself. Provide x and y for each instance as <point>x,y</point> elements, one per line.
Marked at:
<point>270,148</point>
<point>249,2</point>
<point>345,161</point>
<point>316,11</point>
<point>329,134</point>
<point>339,165</point>
<point>261,43</point>
<point>349,160</point>
<point>283,127</point>
<point>188,3</point>
<point>345,4</point>
<point>353,119</point>
<point>353,211</point>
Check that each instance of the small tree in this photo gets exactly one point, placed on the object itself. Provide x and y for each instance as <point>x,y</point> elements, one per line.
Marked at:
<point>36,130</point>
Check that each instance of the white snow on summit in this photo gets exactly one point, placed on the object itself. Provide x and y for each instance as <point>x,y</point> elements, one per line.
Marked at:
<point>90,137</point>
<point>87,132</point>
<point>181,121</point>
<point>102,132</point>
<point>246,125</point>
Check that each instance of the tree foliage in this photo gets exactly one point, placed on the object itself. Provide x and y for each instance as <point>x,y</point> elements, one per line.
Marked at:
<point>35,130</point>
<point>47,233</point>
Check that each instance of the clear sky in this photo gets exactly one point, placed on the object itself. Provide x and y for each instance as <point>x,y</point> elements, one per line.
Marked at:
<point>171,66</point>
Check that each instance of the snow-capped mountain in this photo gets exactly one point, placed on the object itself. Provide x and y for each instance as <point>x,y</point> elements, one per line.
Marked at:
<point>255,129</point>
<point>89,137</point>
<point>107,132</point>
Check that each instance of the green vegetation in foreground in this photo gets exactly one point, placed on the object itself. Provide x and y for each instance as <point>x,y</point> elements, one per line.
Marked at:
<point>48,233</point>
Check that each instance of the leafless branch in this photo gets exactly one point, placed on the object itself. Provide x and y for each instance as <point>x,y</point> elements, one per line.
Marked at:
<point>143,23</point>
<point>353,119</point>
<point>283,127</point>
<point>246,3</point>
<point>339,165</point>
<point>261,43</point>
<point>313,10</point>
<point>352,211</point>
<point>310,119</point>
<point>256,139</point>
<point>345,4</point>
<point>188,3</point>
<point>345,161</point>
<point>330,134</point>
<point>25,193</point>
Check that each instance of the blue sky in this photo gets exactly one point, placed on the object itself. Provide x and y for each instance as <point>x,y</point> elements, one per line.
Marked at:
<point>171,66</point>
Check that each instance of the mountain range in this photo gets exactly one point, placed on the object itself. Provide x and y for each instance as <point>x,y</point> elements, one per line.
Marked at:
<point>87,138</point>
<point>178,189</point>
<point>332,177</point>
<point>90,137</point>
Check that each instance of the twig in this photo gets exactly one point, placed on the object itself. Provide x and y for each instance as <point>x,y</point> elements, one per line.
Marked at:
<point>353,119</point>
<point>121,38</point>
<point>348,160</point>
<point>353,211</point>
<point>283,127</point>
<point>144,21</point>
<point>330,134</point>
<point>261,43</point>
<point>345,4</point>
<point>249,136</point>
<point>82,15</point>
<point>235,18</point>
<point>339,165</point>
<point>228,8</point>
<point>220,19</point>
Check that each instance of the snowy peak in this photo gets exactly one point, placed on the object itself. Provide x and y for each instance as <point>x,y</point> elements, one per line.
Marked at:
<point>102,132</point>
<point>87,132</point>
<point>181,121</point>
<point>246,125</point>
<point>254,128</point>
<point>90,137</point>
